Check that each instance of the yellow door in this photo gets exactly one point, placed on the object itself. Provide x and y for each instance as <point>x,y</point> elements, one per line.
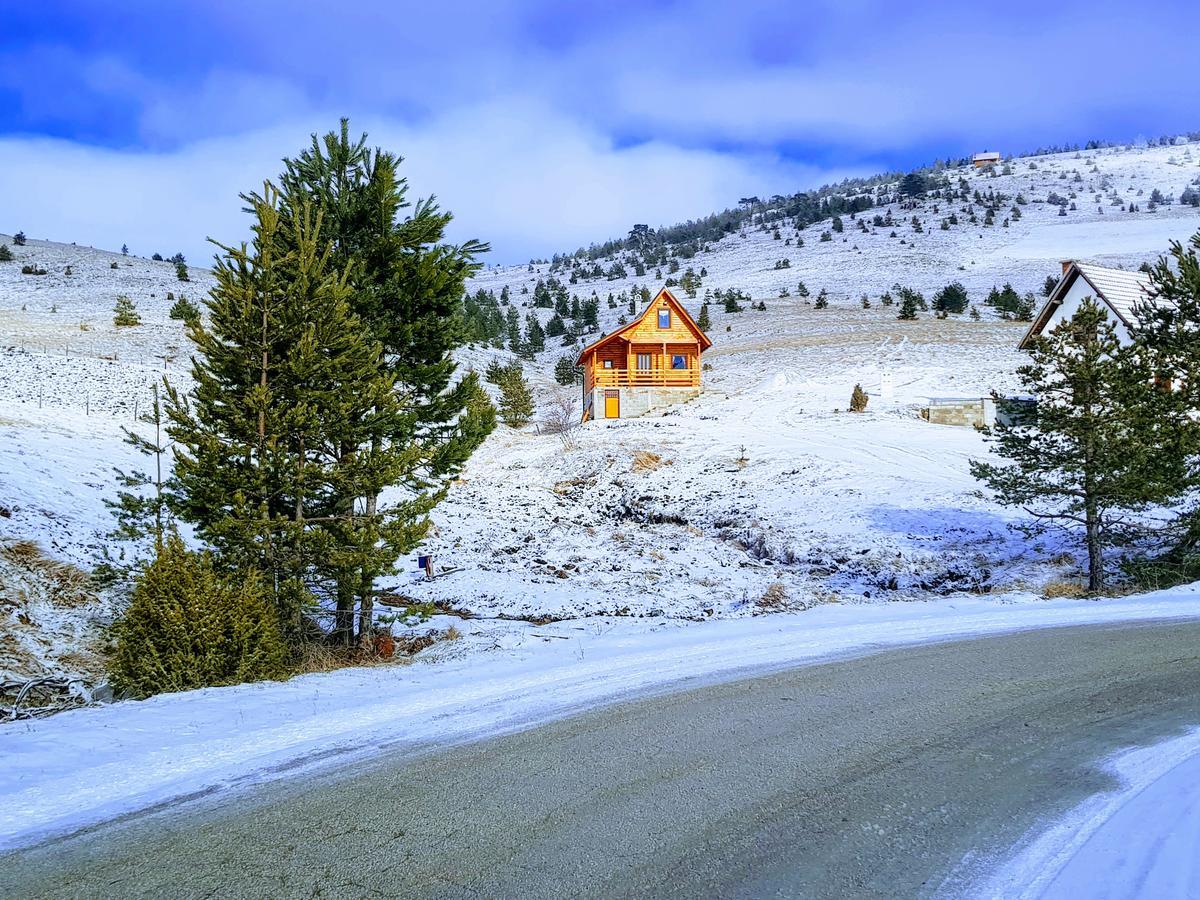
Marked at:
<point>612,405</point>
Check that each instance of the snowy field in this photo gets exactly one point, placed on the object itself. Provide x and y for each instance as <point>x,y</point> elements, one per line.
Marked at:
<point>763,495</point>
<point>89,765</point>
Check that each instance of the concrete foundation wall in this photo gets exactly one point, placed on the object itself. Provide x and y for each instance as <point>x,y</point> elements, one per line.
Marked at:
<point>965,413</point>
<point>981,412</point>
<point>638,401</point>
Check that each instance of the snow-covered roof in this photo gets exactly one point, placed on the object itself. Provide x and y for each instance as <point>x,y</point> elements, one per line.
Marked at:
<point>1120,289</point>
<point>990,154</point>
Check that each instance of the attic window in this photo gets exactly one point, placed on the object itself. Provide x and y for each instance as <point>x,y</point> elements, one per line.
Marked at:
<point>664,318</point>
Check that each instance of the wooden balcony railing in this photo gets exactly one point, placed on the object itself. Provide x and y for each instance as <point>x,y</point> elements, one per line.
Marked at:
<point>645,377</point>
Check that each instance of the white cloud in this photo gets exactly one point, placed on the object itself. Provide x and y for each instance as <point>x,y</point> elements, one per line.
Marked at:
<point>530,180</point>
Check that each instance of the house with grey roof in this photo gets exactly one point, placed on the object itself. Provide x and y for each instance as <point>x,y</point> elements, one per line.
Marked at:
<point>1118,290</point>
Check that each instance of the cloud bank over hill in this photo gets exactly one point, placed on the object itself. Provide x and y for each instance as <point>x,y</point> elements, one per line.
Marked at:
<point>544,126</point>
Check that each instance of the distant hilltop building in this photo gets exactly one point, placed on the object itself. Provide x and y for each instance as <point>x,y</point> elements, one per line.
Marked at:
<point>983,160</point>
<point>652,362</point>
<point>1118,290</point>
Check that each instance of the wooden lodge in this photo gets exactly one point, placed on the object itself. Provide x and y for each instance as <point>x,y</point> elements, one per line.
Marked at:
<point>983,160</point>
<point>652,362</point>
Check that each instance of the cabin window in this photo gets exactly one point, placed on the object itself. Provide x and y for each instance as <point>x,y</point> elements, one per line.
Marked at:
<point>643,361</point>
<point>679,361</point>
<point>608,364</point>
<point>664,318</point>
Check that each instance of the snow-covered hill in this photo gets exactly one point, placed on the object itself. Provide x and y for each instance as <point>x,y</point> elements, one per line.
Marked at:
<point>1024,252</point>
<point>763,494</point>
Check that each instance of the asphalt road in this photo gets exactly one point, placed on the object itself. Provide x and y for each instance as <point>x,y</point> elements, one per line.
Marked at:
<point>869,777</point>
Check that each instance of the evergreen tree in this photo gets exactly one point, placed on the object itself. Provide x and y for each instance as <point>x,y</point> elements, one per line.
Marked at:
<point>822,301</point>
<point>19,239</point>
<point>565,370</point>
<point>535,337</point>
<point>141,507</point>
<point>591,314</point>
<point>188,626</point>
<point>704,323</point>
<point>185,310</point>
<point>1168,340</point>
<point>125,314</point>
<point>181,271</point>
<point>516,398</point>
<point>951,299</point>
<point>858,399</point>
<point>406,287</point>
<point>555,327</point>
<point>512,327</point>
<point>908,308</point>
<point>801,290</point>
<point>914,184</point>
<point>5,254</point>
<point>1091,455</point>
<point>290,414</point>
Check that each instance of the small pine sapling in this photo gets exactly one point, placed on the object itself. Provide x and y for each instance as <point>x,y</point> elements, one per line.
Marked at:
<point>125,314</point>
<point>858,399</point>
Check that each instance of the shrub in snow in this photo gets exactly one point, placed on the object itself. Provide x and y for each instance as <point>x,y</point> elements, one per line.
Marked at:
<point>5,253</point>
<point>858,399</point>
<point>19,239</point>
<point>188,627</point>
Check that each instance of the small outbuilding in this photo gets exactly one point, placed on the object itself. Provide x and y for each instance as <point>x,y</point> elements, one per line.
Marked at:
<point>1118,290</point>
<point>983,160</point>
<point>651,363</point>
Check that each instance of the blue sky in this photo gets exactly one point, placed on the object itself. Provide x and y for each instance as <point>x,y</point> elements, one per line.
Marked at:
<point>545,125</point>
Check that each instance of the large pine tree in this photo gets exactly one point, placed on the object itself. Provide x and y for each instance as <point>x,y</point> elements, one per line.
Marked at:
<point>1091,456</point>
<point>1169,338</point>
<point>405,285</point>
<point>287,378</point>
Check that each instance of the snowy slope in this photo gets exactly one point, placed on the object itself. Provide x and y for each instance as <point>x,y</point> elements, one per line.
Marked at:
<point>760,495</point>
<point>980,256</point>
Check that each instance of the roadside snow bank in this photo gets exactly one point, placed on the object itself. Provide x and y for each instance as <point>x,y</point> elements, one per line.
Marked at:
<point>1139,841</point>
<point>86,766</point>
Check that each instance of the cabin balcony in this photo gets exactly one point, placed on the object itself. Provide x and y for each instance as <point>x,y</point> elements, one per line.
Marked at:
<point>601,377</point>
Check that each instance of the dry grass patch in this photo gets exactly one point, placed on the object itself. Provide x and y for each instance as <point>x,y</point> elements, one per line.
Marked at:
<point>69,586</point>
<point>1063,589</point>
<point>645,461</point>
<point>774,598</point>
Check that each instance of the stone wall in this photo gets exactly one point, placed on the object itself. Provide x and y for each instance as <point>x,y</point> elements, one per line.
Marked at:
<point>962,412</point>
<point>638,401</point>
<point>983,411</point>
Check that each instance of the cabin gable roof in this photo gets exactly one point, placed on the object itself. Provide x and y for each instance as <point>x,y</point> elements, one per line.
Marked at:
<point>1119,290</point>
<point>626,331</point>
